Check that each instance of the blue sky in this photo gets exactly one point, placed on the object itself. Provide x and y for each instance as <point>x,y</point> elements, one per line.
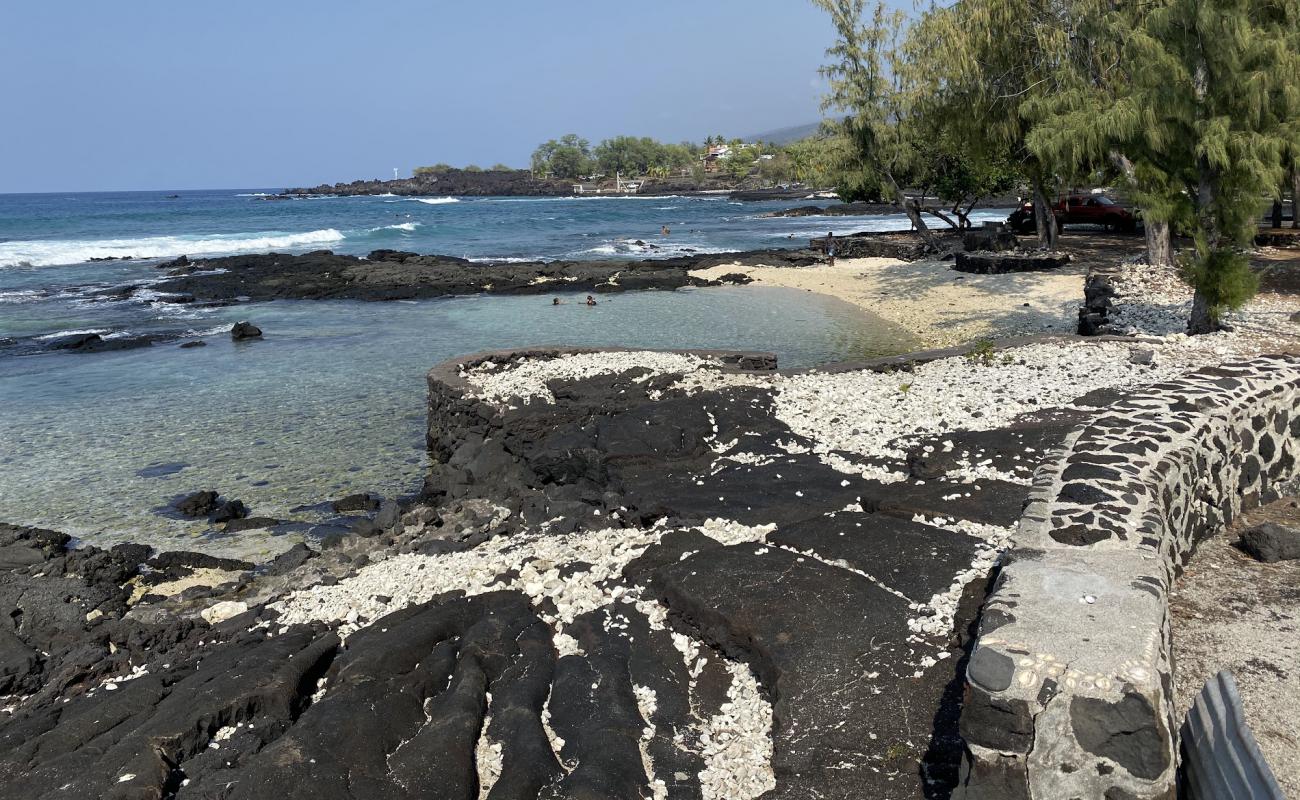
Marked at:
<point>146,94</point>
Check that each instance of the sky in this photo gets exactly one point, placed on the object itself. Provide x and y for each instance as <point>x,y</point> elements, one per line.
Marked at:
<point>154,94</point>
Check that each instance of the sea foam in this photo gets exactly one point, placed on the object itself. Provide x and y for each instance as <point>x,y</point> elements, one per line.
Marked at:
<point>52,252</point>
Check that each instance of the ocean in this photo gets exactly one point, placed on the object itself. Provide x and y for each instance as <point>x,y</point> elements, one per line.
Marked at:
<point>332,400</point>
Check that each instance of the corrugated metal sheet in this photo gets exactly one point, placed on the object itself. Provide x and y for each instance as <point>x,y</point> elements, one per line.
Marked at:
<point>1221,760</point>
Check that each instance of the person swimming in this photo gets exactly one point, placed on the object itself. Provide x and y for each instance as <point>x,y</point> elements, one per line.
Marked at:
<point>591,301</point>
<point>664,230</point>
<point>555,301</point>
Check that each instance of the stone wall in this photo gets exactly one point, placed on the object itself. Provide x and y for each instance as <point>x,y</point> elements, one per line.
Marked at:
<point>1099,297</point>
<point>1069,686</point>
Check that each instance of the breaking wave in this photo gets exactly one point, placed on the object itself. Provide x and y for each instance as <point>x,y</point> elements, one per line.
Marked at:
<point>53,252</point>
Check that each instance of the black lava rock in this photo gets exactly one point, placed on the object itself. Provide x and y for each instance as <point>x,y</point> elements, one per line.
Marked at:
<point>356,502</point>
<point>245,330</point>
<point>1271,542</point>
<point>198,504</point>
<point>228,510</point>
<point>291,559</point>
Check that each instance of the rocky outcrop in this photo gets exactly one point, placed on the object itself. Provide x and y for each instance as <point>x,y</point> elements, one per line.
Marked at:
<point>499,183</point>
<point>1099,296</point>
<point>396,275</point>
<point>839,210</point>
<point>1069,688</point>
<point>245,330</point>
<point>903,245</point>
<point>1001,263</point>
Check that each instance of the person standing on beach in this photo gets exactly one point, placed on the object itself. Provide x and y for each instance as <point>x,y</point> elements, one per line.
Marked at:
<point>830,248</point>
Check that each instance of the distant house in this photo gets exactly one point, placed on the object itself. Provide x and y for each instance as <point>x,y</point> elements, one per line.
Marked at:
<point>718,153</point>
<point>713,157</point>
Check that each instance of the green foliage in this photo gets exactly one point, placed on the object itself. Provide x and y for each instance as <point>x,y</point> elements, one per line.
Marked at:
<point>981,353</point>
<point>1222,276</point>
<point>568,158</point>
<point>631,155</point>
<point>739,162</point>
<point>436,169</point>
<point>501,168</point>
<point>473,168</point>
<point>1213,85</point>
<point>865,76</point>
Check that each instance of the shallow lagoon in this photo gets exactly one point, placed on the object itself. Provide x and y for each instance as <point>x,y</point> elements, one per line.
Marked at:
<point>332,400</point>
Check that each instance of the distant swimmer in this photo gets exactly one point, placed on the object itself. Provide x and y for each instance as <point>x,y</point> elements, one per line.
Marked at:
<point>591,301</point>
<point>665,230</point>
<point>830,247</point>
<point>555,302</point>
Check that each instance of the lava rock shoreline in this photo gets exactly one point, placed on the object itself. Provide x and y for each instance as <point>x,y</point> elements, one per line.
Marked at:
<point>398,275</point>
<point>628,574</point>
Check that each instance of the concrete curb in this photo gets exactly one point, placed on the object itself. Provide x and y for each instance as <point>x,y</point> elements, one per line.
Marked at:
<point>1070,687</point>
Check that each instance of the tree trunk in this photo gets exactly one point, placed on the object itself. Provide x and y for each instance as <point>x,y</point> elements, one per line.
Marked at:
<point>1043,217</point>
<point>913,213</point>
<point>1159,250</point>
<point>1295,196</point>
<point>1277,212</point>
<point>1202,320</point>
<point>1204,317</point>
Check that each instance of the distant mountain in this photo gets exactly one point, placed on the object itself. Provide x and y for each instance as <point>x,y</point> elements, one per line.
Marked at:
<point>786,135</point>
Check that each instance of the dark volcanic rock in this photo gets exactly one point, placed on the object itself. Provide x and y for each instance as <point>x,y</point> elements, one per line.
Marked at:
<point>198,504</point>
<point>1270,542</point>
<point>991,264</point>
<point>839,210</point>
<point>228,510</point>
<point>95,343</point>
<point>803,625</point>
<point>250,523</point>
<point>356,502</point>
<point>291,559</point>
<point>394,275</point>
<point>245,330</point>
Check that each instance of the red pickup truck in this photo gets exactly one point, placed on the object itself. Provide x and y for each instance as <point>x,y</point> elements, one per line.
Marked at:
<point>1078,209</point>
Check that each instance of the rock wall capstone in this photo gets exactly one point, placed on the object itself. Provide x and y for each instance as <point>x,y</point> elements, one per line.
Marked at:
<point>1069,686</point>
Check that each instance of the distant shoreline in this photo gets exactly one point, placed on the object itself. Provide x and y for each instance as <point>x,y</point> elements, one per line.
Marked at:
<point>522,183</point>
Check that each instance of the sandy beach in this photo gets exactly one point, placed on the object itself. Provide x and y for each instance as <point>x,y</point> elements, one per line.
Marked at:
<point>939,305</point>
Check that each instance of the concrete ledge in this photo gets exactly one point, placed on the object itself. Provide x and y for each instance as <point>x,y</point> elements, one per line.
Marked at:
<point>1070,687</point>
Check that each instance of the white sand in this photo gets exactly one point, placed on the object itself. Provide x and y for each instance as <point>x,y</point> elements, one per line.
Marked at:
<point>937,304</point>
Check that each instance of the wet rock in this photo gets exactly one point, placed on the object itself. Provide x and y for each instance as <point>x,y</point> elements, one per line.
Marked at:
<point>390,514</point>
<point>291,559</point>
<point>250,523</point>
<point>1270,542</point>
<point>193,343</point>
<point>356,502</point>
<point>245,330</point>
<point>197,504</point>
<point>228,510</point>
<point>739,278</point>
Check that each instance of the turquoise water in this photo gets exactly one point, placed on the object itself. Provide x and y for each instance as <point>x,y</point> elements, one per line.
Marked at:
<point>332,400</point>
